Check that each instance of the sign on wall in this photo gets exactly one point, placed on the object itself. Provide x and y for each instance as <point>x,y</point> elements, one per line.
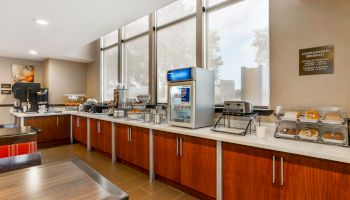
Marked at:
<point>317,60</point>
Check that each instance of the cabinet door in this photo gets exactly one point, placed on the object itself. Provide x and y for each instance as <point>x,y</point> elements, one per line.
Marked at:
<point>80,129</point>
<point>248,173</point>
<point>311,178</point>
<point>198,164</point>
<point>139,141</point>
<point>45,124</point>
<point>105,141</point>
<point>62,127</point>
<point>167,163</point>
<point>94,132</point>
<point>122,143</point>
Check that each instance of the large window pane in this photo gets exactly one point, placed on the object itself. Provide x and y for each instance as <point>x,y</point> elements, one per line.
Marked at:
<point>136,66</point>
<point>136,27</point>
<point>110,72</point>
<point>176,49</point>
<point>175,11</point>
<point>110,39</point>
<point>238,51</point>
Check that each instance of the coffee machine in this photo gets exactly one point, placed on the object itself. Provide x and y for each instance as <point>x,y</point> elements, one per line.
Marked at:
<point>29,96</point>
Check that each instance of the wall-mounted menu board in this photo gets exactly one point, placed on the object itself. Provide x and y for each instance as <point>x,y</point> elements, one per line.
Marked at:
<point>317,60</point>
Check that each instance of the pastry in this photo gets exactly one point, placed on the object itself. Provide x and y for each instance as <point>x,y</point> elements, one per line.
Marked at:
<point>327,136</point>
<point>338,136</point>
<point>333,117</point>
<point>333,136</point>
<point>292,115</point>
<point>309,132</point>
<point>312,115</point>
<point>289,131</point>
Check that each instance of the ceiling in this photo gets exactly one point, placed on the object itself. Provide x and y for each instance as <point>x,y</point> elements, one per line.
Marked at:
<point>73,24</point>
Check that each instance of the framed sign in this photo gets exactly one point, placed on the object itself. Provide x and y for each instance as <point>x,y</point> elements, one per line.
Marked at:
<point>5,92</point>
<point>5,85</point>
<point>317,60</point>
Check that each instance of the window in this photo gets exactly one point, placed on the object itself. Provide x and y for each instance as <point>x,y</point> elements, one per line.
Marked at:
<point>136,62</point>
<point>238,50</point>
<point>136,57</point>
<point>137,27</point>
<point>109,65</point>
<point>176,43</point>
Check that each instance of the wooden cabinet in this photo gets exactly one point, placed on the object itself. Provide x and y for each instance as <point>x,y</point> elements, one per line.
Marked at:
<point>62,127</point>
<point>167,162</point>
<point>247,173</point>
<point>252,173</point>
<point>80,129</point>
<point>311,178</point>
<point>190,161</point>
<point>54,128</point>
<point>101,135</point>
<point>132,145</point>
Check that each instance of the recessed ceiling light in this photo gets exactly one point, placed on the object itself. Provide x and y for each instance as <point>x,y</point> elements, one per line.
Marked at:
<point>33,52</point>
<point>41,22</point>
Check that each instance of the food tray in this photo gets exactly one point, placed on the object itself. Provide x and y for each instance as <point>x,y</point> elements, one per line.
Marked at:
<point>333,141</point>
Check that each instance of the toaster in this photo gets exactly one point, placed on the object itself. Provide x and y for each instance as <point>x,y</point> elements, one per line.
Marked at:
<point>238,107</point>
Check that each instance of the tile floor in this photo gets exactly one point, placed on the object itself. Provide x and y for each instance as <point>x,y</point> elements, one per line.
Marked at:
<point>135,183</point>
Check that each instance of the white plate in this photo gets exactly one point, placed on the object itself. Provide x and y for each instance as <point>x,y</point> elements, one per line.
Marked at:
<point>308,138</point>
<point>286,135</point>
<point>332,122</point>
<point>303,119</point>
<point>334,141</point>
<point>289,119</point>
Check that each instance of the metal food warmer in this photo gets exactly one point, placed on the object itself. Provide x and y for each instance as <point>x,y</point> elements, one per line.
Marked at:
<point>324,124</point>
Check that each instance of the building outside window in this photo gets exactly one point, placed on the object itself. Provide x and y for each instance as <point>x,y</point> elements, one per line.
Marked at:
<point>238,49</point>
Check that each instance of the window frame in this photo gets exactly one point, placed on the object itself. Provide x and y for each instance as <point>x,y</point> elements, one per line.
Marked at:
<point>201,46</point>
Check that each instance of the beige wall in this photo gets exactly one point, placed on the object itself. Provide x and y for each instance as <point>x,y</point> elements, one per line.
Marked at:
<point>298,24</point>
<point>5,77</point>
<point>93,74</point>
<point>6,74</point>
<point>65,77</point>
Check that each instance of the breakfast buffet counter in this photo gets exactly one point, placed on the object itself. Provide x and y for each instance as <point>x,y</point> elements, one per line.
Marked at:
<point>333,153</point>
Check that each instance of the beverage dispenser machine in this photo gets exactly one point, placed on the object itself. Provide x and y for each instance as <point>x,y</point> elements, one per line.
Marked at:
<point>191,97</point>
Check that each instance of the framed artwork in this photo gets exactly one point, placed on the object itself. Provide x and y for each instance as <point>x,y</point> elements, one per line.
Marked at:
<point>23,73</point>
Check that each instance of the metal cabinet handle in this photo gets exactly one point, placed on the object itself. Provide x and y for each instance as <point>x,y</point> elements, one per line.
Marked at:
<point>282,176</point>
<point>130,134</point>
<point>98,127</point>
<point>177,146</point>
<point>78,122</point>
<point>56,121</point>
<point>180,146</point>
<point>273,169</point>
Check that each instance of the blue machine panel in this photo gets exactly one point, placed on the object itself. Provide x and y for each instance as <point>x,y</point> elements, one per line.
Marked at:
<point>184,74</point>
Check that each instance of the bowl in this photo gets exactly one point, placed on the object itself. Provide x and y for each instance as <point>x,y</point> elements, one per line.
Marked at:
<point>143,98</point>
